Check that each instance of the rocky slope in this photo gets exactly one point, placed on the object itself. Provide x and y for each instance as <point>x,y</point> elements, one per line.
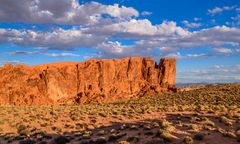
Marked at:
<point>90,81</point>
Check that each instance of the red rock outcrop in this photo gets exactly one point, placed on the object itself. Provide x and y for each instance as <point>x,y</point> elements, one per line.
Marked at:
<point>90,81</point>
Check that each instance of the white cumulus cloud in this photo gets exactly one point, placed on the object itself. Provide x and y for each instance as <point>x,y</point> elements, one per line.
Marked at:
<point>218,10</point>
<point>191,24</point>
<point>146,13</point>
<point>222,50</point>
<point>60,11</point>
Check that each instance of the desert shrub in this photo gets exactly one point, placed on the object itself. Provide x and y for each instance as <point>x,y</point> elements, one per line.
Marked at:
<point>146,127</point>
<point>27,142</point>
<point>164,123</point>
<point>101,133</point>
<point>123,142</point>
<point>225,120</point>
<point>155,124</point>
<point>230,134</point>
<point>208,122</point>
<point>238,132</point>
<point>61,140</point>
<point>188,140</point>
<point>133,127</point>
<point>199,136</point>
<point>195,127</point>
<point>114,137</point>
<point>148,133</point>
<point>166,136</point>
<point>100,140</point>
<point>133,139</point>
<point>23,130</point>
<point>58,129</point>
<point>87,133</point>
<point>74,117</point>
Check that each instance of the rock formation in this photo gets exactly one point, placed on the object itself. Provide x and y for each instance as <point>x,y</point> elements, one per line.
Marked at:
<point>90,81</point>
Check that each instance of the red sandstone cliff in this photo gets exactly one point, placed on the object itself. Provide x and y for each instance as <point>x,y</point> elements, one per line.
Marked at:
<point>90,81</point>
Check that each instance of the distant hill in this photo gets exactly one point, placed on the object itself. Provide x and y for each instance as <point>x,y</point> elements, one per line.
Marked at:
<point>190,84</point>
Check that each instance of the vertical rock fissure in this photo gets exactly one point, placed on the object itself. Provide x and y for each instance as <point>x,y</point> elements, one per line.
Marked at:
<point>78,94</point>
<point>159,71</point>
<point>100,76</point>
<point>128,66</point>
<point>77,80</point>
<point>155,65</point>
<point>148,73</point>
<point>44,77</point>
<point>144,65</point>
<point>167,73</point>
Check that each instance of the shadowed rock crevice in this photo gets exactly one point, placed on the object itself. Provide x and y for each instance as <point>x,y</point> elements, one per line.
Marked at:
<point>84,82</point>
<point>166,73</point>
<point>44,76</point>
<point>78,95</point>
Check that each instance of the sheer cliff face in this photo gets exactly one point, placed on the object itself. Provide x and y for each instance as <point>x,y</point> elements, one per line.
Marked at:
<point>90,81</point>
<point>167,72</point>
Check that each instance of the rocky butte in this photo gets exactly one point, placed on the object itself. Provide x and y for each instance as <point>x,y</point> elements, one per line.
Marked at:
<point>84,82</point>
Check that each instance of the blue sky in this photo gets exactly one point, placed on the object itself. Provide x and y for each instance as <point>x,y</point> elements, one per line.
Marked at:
<point>204,35</point>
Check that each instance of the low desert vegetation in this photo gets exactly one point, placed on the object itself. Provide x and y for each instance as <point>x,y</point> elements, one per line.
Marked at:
<point>207,115</point>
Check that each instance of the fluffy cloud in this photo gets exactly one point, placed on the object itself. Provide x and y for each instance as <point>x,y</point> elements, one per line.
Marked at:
<point>223,50</point>
<point>137,29</point>
<point>178,55</point>
<point>191,25</point>
<point>92,36</point>
<point>197,19</point>
<point>96,30</point>
<point>23,53</point>
<point>170,28</point>
<point>164,38</point>
<point>117,50</point>
<point>146,13</point>
<point>218,10</point>
<point>44,53</point>
<point>58,39</point>
<point>217,73</point>
<point>236,20</point>
<point>215,37</point>
<point>60,11</point>
<point>14,62</point>
<point>62,55</point>
<point>133,27</point>
<point>211,37</point>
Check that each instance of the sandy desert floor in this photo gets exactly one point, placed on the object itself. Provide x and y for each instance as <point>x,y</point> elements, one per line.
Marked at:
<point>209,115</point>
